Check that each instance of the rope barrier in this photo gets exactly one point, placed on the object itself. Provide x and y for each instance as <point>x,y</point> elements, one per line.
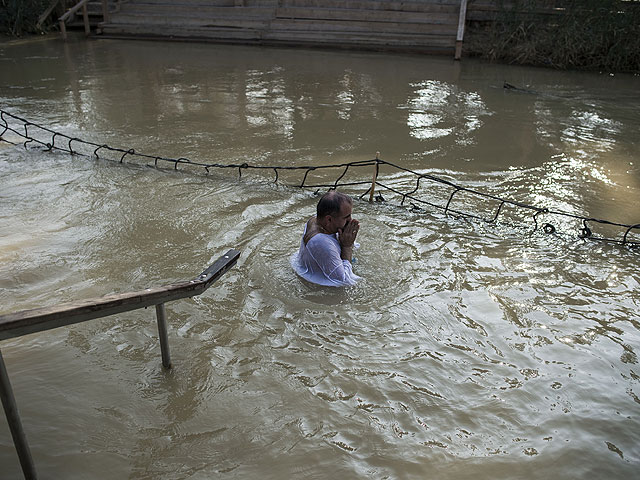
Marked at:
<point>584,232</point>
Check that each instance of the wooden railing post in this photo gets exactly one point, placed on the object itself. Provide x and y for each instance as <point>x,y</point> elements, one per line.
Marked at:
<point>85,18</point>
<point>161,313</point>
<point>460,36</point>
<point>105,10</point>
<point>15,425</point>
<point>63,30</point>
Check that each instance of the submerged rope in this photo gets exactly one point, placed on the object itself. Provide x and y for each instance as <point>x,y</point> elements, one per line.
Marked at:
<point>584,232</point>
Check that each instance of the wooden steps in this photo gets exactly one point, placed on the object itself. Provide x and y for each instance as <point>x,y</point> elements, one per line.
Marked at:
<point>382,41</point>
<point>94,12</point>
<point>227,34</point>
<point>373,28</point>
<point>412,19</point>
<point>416,6</point>
<point>426,25</point>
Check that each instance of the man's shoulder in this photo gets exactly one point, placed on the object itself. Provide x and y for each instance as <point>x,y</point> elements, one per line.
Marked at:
<point>323,241</point>
<point>311,230</point>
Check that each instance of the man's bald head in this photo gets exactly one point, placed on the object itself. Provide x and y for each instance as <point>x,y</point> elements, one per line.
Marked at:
<point>331,202</point>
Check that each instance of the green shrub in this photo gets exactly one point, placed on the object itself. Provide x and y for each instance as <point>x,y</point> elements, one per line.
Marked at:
<point>594,34</point>
<point>18,17</point>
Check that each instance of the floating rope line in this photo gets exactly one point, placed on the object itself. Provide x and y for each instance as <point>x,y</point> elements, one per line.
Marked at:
<point>40,135</point>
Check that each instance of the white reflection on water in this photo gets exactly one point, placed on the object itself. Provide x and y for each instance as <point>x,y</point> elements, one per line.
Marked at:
<point>434,105</point>
<point>345,98</point>
<point>590,127</point>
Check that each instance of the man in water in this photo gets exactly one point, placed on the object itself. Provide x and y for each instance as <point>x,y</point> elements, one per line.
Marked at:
<point>326,249</point>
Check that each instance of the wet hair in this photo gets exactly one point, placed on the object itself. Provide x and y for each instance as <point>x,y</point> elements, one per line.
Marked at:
<point>331,202</point>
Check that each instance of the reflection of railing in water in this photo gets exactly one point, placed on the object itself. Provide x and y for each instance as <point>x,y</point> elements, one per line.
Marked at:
<point>38,320</point>
<point>47,138</point>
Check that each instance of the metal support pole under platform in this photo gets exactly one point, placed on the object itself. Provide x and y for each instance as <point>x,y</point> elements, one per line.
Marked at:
<point>161,313</point>
<point>15,425</point>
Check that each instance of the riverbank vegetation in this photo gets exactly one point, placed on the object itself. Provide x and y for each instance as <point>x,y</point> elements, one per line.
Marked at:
<point>566,34</point>
<point>22,17</point>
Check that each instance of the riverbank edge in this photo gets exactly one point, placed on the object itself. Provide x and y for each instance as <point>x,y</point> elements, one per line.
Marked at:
<point>479,44</point>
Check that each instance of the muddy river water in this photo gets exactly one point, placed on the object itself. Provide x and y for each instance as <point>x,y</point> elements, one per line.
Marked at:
<point>469,350</point>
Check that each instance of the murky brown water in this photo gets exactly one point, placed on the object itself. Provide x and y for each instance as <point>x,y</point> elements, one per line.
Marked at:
<point>469,351</point>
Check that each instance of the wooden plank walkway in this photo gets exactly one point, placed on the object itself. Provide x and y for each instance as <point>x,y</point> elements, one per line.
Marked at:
<point>427,26</point>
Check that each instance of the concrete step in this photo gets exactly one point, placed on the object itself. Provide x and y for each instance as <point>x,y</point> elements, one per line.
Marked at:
<point>188,21</point>
<point>206,3</point>
<point>347,26</point>
<point>224,34</point>
<point>414,25</point>
<point>361,38</point>
<point>203,11</point>
<point>363,15</point>
<point>398,6</point>
<point>424,43</point>
<point>261,3</point>
<point>183,3</point>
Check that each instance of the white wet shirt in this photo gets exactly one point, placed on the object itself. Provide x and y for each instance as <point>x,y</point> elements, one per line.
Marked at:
<point>319,261</point>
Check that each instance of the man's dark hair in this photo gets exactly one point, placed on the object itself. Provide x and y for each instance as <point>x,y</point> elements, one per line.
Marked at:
<point>331,202</point>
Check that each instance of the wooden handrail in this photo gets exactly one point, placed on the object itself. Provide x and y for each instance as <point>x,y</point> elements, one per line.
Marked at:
<point>40,319</point>
<point>73,10</point>
<point>85,17</point>
<point>47,12</point>
<point>46,318</point>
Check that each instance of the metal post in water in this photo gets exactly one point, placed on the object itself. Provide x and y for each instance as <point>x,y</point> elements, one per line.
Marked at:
<point>85,19</point>
<point>13,419</point>
<point>161,313</point>
<point>375,177</point>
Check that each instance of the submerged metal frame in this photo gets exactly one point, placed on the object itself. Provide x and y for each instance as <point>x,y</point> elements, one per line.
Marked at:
<point>46,318</point>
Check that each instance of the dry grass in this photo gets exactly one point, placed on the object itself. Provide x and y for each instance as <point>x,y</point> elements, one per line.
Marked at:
<point>591,34</point>
<point>19,17</point>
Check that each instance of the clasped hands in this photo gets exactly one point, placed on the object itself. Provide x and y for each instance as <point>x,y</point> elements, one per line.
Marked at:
<point>347,235</point>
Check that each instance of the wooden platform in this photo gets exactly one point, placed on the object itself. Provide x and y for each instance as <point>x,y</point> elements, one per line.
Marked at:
<point>428,26</point>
